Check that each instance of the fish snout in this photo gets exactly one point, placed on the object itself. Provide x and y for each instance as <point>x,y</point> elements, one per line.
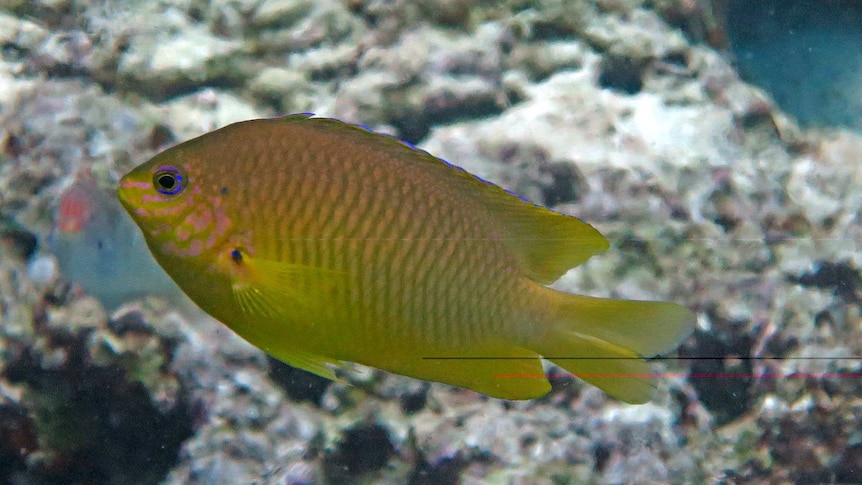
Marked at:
<point>125,192</point>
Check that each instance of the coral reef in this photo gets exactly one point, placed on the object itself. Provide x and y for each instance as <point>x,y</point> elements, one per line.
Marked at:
<point>615,111</point>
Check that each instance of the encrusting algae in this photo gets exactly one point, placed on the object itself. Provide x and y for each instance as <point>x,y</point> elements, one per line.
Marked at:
<point>322,242</point>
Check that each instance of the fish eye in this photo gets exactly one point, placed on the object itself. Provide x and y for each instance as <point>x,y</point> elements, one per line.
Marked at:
<point>168,181</point>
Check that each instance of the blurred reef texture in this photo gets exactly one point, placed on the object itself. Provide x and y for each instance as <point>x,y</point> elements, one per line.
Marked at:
<point>627,113</point>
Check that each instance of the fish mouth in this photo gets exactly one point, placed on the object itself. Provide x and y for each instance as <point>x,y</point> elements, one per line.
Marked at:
<point>129,193</point>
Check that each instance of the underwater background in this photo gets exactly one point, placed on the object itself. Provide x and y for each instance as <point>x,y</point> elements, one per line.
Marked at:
<point>714,142</point>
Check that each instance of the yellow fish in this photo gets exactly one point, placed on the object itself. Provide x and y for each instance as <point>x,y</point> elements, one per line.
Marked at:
<point>321,243</point>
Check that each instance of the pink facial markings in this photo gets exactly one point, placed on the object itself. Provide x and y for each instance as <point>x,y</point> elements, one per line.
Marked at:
<point>222,222</point>
<point>183,233</point>
<point>152,199</point>
<point>145,186</point>
<point>196,247</point>
<point>211,240</point>
<point>200,220</point>
<point>205,224</point>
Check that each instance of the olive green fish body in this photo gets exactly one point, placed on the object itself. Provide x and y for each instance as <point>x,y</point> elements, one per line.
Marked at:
<point>321,242</point>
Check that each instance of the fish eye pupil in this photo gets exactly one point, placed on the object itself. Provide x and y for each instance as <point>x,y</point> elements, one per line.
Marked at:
<point>168,181</point>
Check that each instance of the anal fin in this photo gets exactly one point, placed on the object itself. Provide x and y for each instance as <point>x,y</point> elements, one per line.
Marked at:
<point>506,373</point>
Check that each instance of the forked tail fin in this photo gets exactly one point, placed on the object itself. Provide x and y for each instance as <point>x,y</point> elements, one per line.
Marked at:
<point>604,341</point>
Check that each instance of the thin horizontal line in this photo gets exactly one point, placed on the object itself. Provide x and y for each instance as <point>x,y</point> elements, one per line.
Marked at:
<point>724,357</point>
<point>771,240</point>
<point>685,375</point>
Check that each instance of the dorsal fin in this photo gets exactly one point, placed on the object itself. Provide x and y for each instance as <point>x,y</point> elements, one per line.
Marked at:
<point>545,243</point>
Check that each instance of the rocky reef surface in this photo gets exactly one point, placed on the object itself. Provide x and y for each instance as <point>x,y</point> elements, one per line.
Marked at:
<point>622,112</point>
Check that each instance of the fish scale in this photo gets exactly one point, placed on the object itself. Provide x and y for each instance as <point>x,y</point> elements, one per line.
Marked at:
<point>443,304</point>
<point>340,244</point>
<point>391,226</point>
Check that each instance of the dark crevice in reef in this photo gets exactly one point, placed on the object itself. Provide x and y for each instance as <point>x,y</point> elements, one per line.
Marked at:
<point>80,421</point>
<point>841,277</point>
<point>363,448</point>
<point>721,374</point>
<point>298,384</point>
<point>623,74</point>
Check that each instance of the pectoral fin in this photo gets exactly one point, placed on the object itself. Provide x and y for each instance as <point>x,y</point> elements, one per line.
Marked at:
<point>273,292</point>
<point>276,290</point>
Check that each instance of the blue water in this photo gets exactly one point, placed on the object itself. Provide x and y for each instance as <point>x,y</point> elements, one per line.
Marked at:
<point>806,54</point>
